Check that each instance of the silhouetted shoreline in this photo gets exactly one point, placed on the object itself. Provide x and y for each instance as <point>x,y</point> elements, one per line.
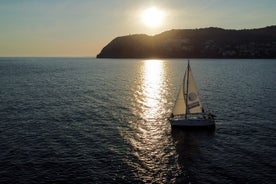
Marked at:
<point>195,43</point>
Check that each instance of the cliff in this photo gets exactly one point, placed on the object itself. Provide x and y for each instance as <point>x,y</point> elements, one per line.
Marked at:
<point>195,43</point>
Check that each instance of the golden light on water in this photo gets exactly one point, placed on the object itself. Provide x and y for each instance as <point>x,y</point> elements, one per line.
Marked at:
<point>152,87</point>
<point>151,146</point>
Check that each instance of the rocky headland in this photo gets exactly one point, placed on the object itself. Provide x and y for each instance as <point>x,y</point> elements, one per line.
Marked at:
<point>195,43</point>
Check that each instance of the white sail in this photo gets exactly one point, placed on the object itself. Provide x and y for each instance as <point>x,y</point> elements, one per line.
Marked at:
<point>188,107</point>
<point>193,100</point>
<point>187,89</point>
<point>180,106</point>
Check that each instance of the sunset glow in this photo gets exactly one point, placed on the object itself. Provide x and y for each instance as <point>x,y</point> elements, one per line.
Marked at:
<point>83,28</point>
<point>153,17</point>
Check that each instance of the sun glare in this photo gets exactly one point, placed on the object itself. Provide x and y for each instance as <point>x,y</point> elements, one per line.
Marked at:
<point>153,17</point>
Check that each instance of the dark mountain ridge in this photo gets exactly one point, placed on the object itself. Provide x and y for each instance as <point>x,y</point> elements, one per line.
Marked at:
<point>195,43</point>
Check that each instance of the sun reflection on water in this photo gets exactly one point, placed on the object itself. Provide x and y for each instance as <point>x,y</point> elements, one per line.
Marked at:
<point>152,87</point>
<point>152,145</point>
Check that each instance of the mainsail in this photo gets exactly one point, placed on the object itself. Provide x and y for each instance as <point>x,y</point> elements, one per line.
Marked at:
<point>193,101</point>
<point>187,101</point>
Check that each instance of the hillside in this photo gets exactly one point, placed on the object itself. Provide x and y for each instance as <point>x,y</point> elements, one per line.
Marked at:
<point>195,43</point>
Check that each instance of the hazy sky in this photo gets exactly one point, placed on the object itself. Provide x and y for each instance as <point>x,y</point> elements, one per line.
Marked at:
<point>83,27</point>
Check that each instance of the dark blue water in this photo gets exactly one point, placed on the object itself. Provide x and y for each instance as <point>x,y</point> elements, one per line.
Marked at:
<point>83,120</point>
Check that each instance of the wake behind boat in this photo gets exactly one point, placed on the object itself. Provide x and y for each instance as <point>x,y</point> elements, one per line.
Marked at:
<point>188,110</point>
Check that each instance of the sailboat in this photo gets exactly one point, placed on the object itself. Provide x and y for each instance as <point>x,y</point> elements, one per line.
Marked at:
<point>188,110</point>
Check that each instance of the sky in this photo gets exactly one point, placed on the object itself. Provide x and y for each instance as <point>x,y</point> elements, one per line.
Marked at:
<point>81,28</point>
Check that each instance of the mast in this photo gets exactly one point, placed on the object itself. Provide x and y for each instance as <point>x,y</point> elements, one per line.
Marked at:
<point>186,92</point>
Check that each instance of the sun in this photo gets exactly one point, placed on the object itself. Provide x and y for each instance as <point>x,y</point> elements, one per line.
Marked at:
<point>153,17</point>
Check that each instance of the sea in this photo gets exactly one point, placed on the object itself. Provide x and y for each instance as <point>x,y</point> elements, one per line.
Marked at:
<point>88,120</point>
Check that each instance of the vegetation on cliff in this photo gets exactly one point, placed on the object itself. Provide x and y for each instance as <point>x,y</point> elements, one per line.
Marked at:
<point>195,43</point>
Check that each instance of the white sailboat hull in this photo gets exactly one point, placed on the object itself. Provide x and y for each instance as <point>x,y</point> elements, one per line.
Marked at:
<point>200,123</point>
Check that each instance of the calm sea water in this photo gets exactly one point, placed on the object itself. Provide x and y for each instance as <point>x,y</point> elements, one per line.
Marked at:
<point>84,120</point>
